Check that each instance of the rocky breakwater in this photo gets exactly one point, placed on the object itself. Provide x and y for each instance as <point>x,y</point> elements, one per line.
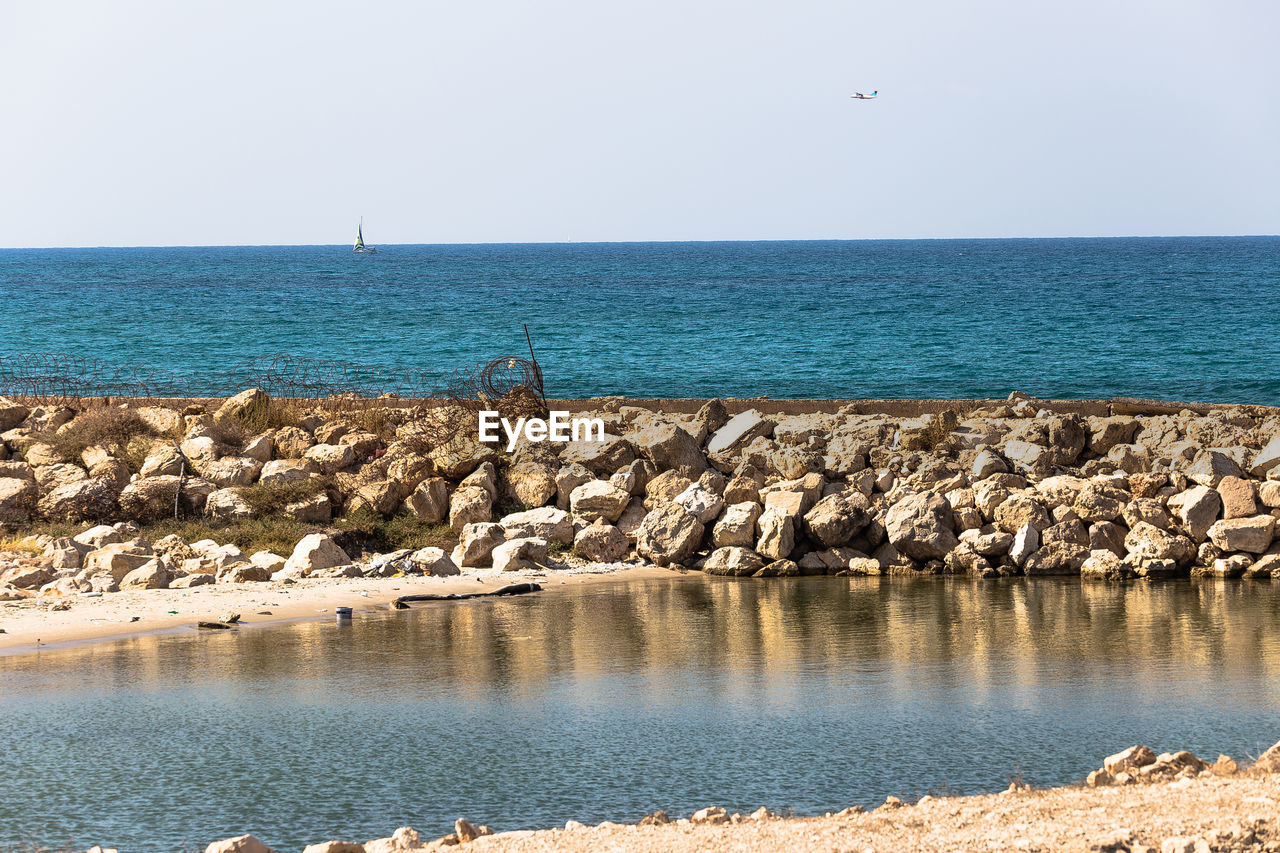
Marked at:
<point>1010,489</point>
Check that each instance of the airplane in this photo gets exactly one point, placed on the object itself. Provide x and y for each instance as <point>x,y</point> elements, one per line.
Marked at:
<point>861,97</point>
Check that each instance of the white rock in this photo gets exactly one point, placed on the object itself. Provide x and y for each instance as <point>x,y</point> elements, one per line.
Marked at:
<point>1025,543</point>
<point>315,552</point>
<point>740,429</point>
<point>514,555</point>
<point>737,526</point>
<point>544,522</point>
<point>701,502</point>
<point>598,499</point>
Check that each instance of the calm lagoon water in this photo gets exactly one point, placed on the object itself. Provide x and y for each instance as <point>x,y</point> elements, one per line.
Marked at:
<point>608,701</point>
<point>1174,318</point>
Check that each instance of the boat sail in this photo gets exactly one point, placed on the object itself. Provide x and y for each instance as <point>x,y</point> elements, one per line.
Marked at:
<point>360,247</point>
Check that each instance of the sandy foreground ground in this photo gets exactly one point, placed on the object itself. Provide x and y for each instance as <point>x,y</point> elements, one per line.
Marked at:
<point>133,612</point>
<point>1208,813</point>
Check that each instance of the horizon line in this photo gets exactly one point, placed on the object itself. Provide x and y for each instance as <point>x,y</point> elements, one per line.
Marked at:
<point>661,242</point>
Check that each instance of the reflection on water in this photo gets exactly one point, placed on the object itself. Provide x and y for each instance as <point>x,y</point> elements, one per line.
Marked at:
<point>604,702</point>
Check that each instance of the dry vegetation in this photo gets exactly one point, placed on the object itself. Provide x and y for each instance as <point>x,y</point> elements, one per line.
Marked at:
<point>122,431</point>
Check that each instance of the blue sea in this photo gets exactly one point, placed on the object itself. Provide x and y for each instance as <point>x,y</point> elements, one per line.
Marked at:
<point>1173,318</point>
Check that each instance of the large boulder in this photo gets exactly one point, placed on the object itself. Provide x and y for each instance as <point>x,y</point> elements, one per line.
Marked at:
<point>476,543</point>
<point>516,555</point>
<point>544,522</point>
<point>1019,510</point>
<point>987,541</point>
<point>919,526</point>
<point>1104,565</point>
<point>1129,760</point>
<point>365,446</point>
<point>1150,510</point>
<point>484,477</point>
<point>87,500</point>
<point>668,534</point>
<point>331,458</point>
<point>381,496</point>
<point>1095,503</point>
<point>737,526</point>
<point>11,414</point>
<point>1028,457</point>
<point>266,560</point>
<point>469,505</point>
<point>777,534</point>
<point>244,573</point>
<point>98,536</point>
<point>1106,432</point>
<point>227,505</point>
<point>598,499</point>
<point>1197,508</point>
<point>1067,438</point>
<point>1105,536</point>
<point>150,575</point>
<point>1056,558</point>
<point>1147,542</point>
<point>406,466</point>
<point>600,457</point>
<point>117,559</point>
<point>738,432</point>
<point>291,442</point>
<point>231,471</point>
<point>430,500</point>
<point>1211,465</point>
<point>1026,540</point>
<point>670,447</point>
<point>315,552</point>
<point>403,839</point>
<point>149,498</point>
<point>17,500</point>
<point>733,561</point>
<point>601,543</point>
<point>1266,458</point>
<point>316,509</point>
<point>243,405</point>
<point>1253,534</point>
<point>532,483</point>
<point>569,478</point>
<point>214,558</point>
<point>50,477</point>
<point>1239,497</point>
<point>835,519</point>
<point>286,471</point>
<point>434,561</point>
<point>461,455</point>
<point>701,501</point>
<point>239,844</point>
<point>27,576</point>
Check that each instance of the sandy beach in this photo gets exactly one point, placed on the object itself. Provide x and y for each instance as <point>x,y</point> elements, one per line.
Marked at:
<point>1233,813</point>
<point>134,612</point>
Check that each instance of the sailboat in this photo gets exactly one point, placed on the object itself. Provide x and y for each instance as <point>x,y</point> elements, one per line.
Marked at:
<point>360,247</point>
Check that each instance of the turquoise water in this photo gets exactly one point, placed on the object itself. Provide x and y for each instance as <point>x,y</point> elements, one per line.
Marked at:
<point>608,701</point>
<point>1175,318</point>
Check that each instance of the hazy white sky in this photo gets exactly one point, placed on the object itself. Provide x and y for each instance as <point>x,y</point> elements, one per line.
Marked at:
<point>157,123</point>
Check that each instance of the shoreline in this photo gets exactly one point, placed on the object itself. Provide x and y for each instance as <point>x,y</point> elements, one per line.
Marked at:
<point>106,619</point>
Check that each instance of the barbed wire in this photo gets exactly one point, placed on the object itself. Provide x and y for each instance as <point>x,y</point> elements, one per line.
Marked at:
<point>66,379</point>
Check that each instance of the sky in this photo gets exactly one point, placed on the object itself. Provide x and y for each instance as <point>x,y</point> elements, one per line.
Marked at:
<point>228,123</point>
